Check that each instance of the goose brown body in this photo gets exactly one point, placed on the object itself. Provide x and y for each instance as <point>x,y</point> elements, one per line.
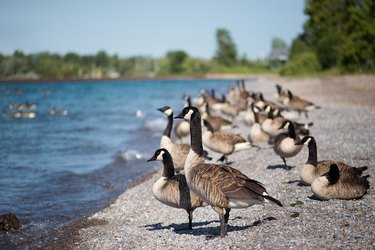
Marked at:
<point>221,186</point>
<point>285,143</point>
<point>313,168</point>
<point>171,189</point>
<point>298,104</point>
<point>340,184</point>
<point>224,142</point>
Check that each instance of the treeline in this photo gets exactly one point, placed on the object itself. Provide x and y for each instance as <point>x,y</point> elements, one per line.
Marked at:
<point>338,37</point>
<point>102,65</point>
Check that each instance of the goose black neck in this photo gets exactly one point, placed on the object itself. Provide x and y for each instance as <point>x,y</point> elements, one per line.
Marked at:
<point>256,117</point>
<point>333,174</point>
<point>168,170</point>
<point>189,101</point>
<point>292,131</point>
<point>196,133</point>
<point>313,153</point>
<point>168,128</point>
<point>270,114</point>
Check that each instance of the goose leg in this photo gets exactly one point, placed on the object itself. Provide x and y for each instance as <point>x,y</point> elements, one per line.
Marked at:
<point>284,161</point>
<point>190,220</point>
<point>226,216</point>
<point>223,230</point>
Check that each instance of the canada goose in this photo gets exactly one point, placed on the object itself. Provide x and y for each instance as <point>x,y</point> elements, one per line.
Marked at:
<point>336,184</point>
<point>54,111</point>
<point>261,103</point>
<point>179,152</point>
<point>285,143</point>
<point>182,129</point>
<point>211,100</point>
<point>171,189</point>
<point>217,122</point>
<point>256,133</point>
<point>274,120</point>
<point>223,142</point>
<point>299,104</point>
<point>220,186</point>
<point>231,110</point>
<point>281,94</point>
<point>25,106</point>
<point>243,93</point>
<point>313,168</point>
<point>25,114</point>
<point>272,124</point>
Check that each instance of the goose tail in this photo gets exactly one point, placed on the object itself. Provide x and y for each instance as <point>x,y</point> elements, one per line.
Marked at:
<point>271,199</point>
<point>242,146</point>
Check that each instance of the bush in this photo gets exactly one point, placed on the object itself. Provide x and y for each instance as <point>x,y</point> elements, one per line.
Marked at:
<point>304,63</point>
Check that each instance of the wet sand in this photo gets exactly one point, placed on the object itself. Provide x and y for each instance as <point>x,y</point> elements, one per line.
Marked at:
<point>344,129</point>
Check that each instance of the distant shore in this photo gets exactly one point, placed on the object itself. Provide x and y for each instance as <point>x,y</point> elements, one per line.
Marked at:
<point>344,130</point>
<point>171,77</point>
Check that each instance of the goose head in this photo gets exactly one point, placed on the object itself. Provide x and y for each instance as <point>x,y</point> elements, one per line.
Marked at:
<point>187,113</point>
<point>158,155</point>
<point>307,140</point>
<point>285,124</point>
<point>166,110</point>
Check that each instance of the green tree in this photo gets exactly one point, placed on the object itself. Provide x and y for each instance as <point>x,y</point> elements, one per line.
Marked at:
<point>176,60</point>
<point>226,53</point>
<point>342,32</point>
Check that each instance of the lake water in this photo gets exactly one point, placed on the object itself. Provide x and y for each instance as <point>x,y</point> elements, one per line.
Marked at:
<point>57,169</point>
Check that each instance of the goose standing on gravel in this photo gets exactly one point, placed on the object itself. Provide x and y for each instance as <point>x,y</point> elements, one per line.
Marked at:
<point>220,186</point>
<point>281,94</point>
<point>313,168</point>
<point>336,184</point>
<point>217,122</point>
<point>286,143</point>
<point>298,104</point>
<point>179,152</point>
<point>171,189</point>
<point>223,142</point>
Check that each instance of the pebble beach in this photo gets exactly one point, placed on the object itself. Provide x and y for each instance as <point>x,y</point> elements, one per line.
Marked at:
<point>344,130</point>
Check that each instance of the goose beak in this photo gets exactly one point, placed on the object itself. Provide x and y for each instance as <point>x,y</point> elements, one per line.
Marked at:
<point>298,143</point>
<point>151,159</point>
<point>180,116</point>
<point>160,109</point>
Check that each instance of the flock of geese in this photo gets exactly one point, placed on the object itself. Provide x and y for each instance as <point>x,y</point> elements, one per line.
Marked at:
<point>190,181</point>
<point>28,110</point>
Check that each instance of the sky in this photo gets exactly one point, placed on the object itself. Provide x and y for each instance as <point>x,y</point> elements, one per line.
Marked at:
<point>146,27</point>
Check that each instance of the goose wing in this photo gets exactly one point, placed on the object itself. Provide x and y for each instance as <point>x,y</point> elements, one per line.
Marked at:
<point>229,137</point>
<point>232,183</point>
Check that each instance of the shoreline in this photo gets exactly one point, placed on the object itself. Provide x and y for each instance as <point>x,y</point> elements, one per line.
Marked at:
<point>169,77</point>
<point>348,91</point>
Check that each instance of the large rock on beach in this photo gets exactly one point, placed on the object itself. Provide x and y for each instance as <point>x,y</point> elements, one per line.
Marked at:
<point>9,221</point>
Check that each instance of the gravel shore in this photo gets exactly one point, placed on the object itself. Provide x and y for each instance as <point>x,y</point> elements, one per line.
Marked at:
<point>344,130</point>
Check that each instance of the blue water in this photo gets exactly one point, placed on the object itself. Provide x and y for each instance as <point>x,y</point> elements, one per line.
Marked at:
<point>57,169</point>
